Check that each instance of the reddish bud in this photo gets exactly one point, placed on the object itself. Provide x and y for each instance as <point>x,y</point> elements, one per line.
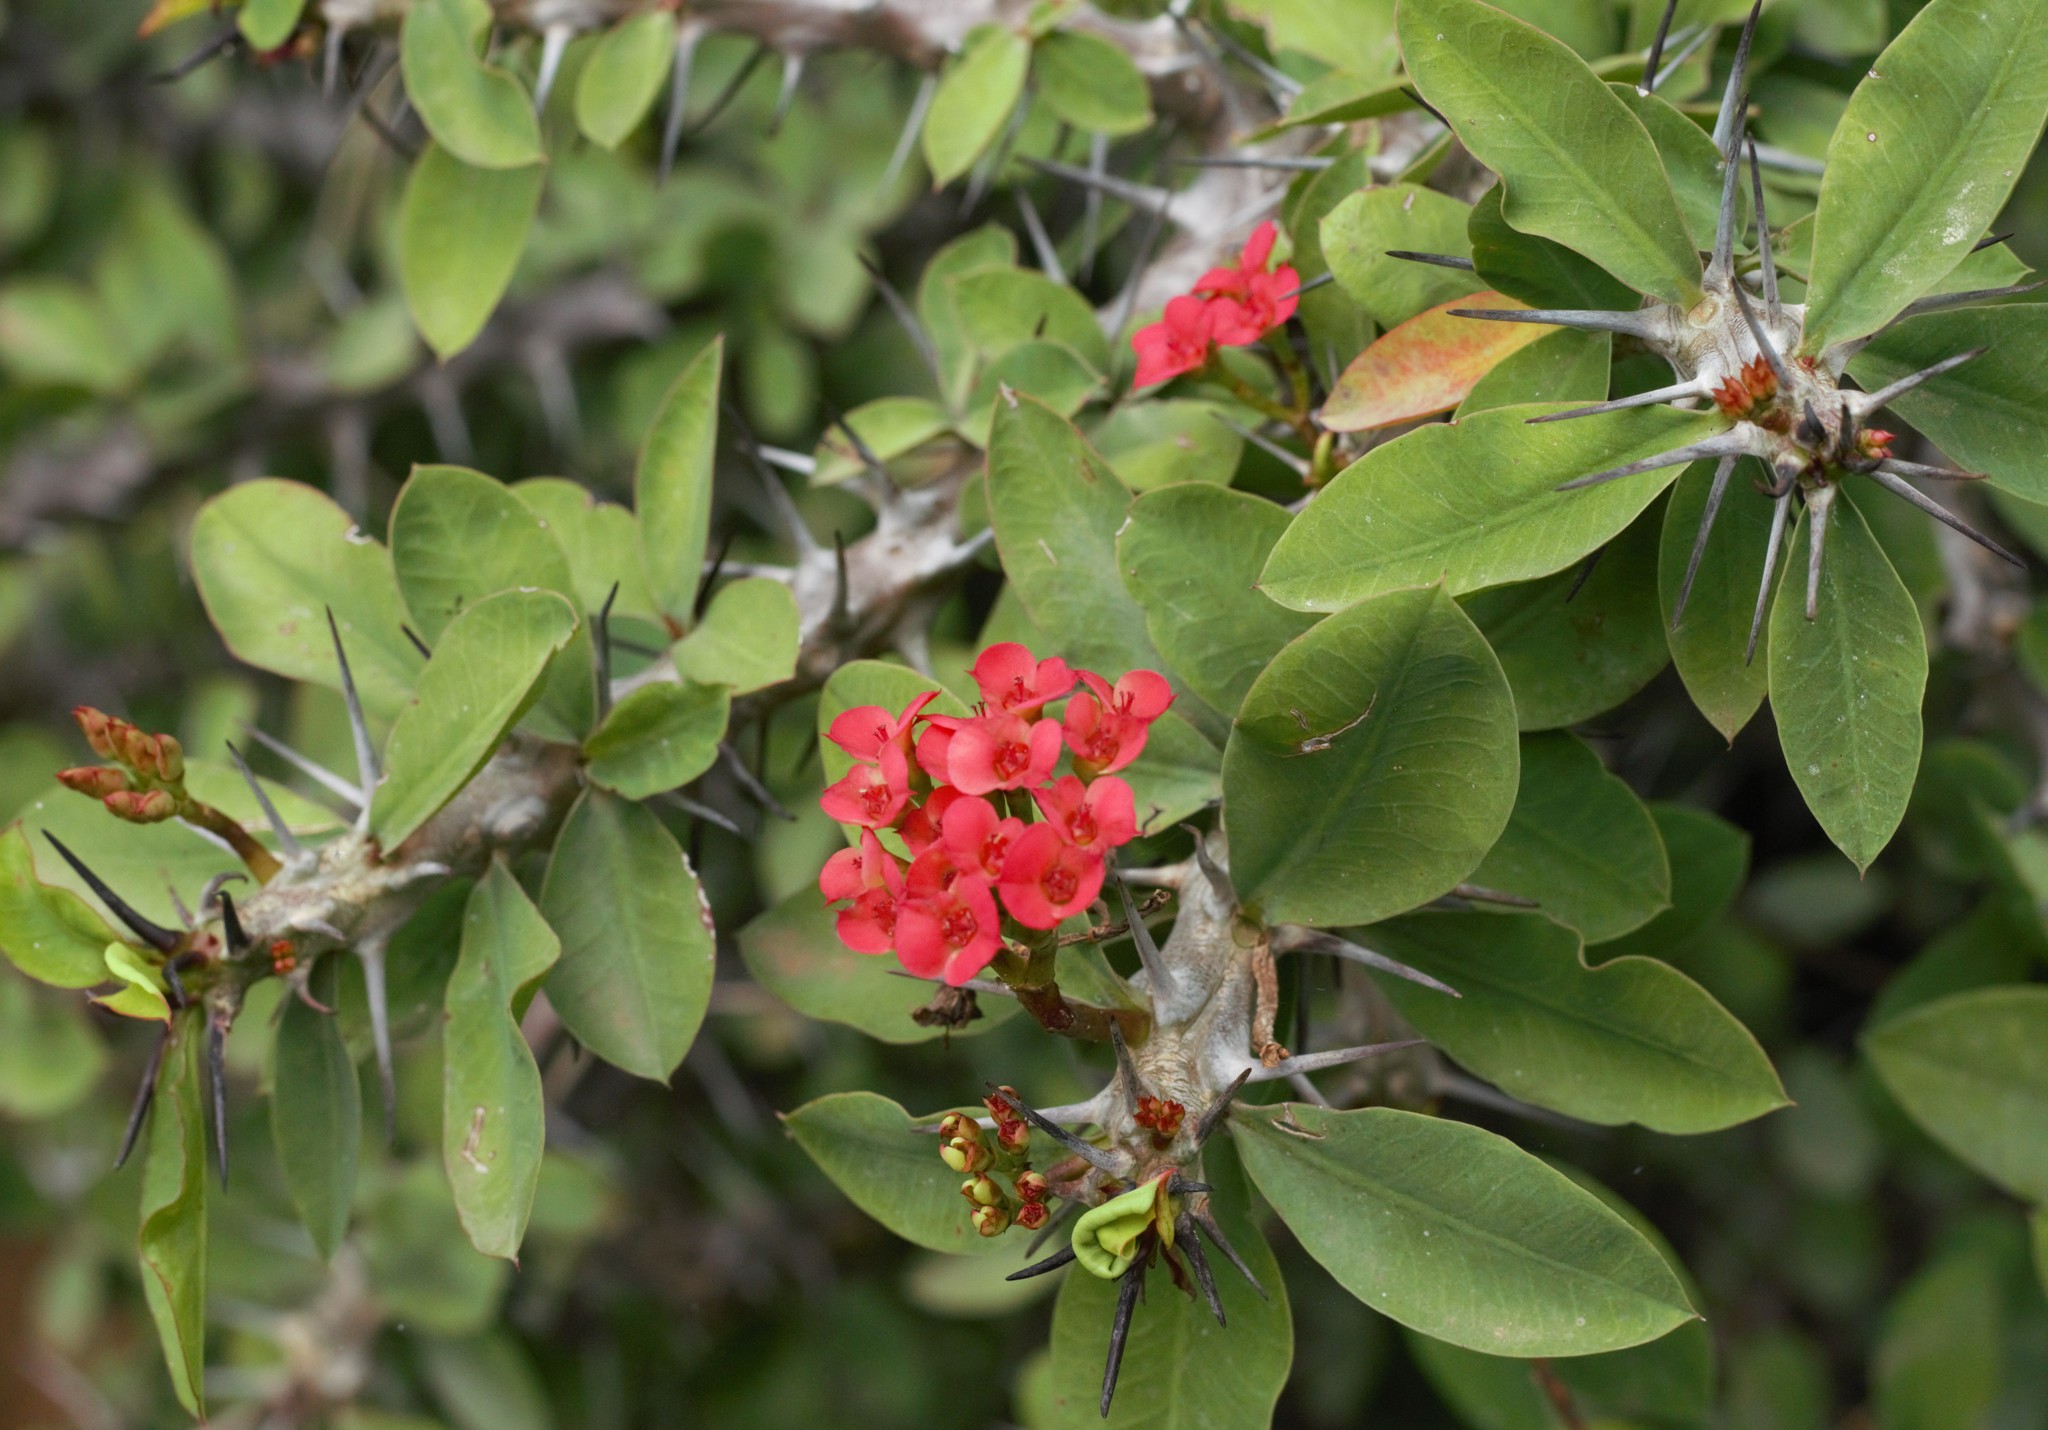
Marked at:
<point>96,780</point>
<point>965,1154</point>
<point>1014,1136</point>
<point>958,1124</point>
<point>133,748</point>
<point>1032,1186</point>
<point>991,1221</point>
<point>1033,1215</point>
<point>141,806</point>
<point>96,726</point>
<point>982,1191</point>
<point>1162,1116</point>
<point>282,959</point>
<point>170,758</point>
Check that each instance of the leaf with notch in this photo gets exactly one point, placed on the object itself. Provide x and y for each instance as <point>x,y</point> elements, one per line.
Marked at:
<point>172,1238</point>
<point>672,485</point>
<point>476,111</point>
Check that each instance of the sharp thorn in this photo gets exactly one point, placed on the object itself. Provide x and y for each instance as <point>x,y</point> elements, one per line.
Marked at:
<point>1292,163</point>
<point>601,652</point>
<point>1041,241</point>
<point>1699,541</point>
<point>358,726</point>
<point>154,934</point>
<point>1039,1268</point>
<point>1722,264</point>
<point>217,1082</point>
<point>1773,157</point>
<point>792,76</point>
<point>213,49</point>
<point>1206,1217</point>
<point>1899,486</point>
<point>1087,1151</point>
<point>1734,98</point>
<point>413,639</point>
<point>377,995</point>
<point>1120,1331</point>
<point>1871,401</point>
<point>861,449</point>
<point>1762,339</point>
<point>1424,105</point>
<point>1700,35</point>
<point>1926,473</point>
<point>231,925</point>
<point>330,59</point>
<point>554,43</point>
<point>1763,593</point>
<point>1216,874</point>
<point>1319,941</point>
<point>1091,205</point>
<point>1936,302</point>
<point>751,783</point>
<point>1586,570</point>
<point>1149,197</point>
<point>286,840</point>
<point>1634,322</point>
<point>1127,1075</point>
<point>1216,1111</point>
<point>319,774</point>
<point>144,1095</point>
<point>1718,446</point>
<point>711,574</point>
<point>1656,54</point>
<point>1158,973</point>
<point>984,174</point>
<point>1299,465</point>
<point>731,90</point>
<point>1336,1057</point>
<point>1820,505</point>
<point>1438,260</point>
<point>1190,1241</point>
<point>907,317</point>
<point>1320,280</point>
<point>678,100</point>
<point>1675,392</point>
<point>1773,309</point>
<point>913,125</point>
<point>1990,240</point>
<point>786,513</point>
<point>697,809</point>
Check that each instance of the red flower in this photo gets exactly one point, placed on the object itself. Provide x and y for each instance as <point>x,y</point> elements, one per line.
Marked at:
<point>947,925</point>
<point>1014,683</point>
<point>871,878</point>
<point>1045,879</point>
<point>920,827</point>
<point>993,752</point>
<point>871,795</point>
<point>864,730</point>
<point>1096,817</point>
<point>934,744</point>
<point>1177,343</point>
<point>976,838</point>
<point>1247,302</point>
<point>1106,727</point>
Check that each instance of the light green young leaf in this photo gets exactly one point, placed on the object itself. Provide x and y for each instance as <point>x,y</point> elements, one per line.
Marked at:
<point>866,1145</point>
<point>974,99</point>
<point>1091,83</point>
<point>1972,1069</point>
<point>1460,1234</point>
<point>1579,843</point>
<point>316,1112</point>
<point>493,1126</point>
<point>623,75</point>
<point>637,943</point>
<point>1573,651</point>
<point>48,933</point>
<point>1004,308</point>
<point>1575,164</point>
<point>476,111</point>
<point>748,638</point>
<point>1181,1370</point>
<point>991,246</point>
<point>659,737</point>
<point>794,952</point>
<point>486,671</point>
<point>271,558</point>
<point>599,539</point>
<point>266,24</point>
<point>138,987</point>
<point>1990,414</point>
<point>461,230</point>
<point>172,1239</point>
<point>1927,151</point>
<point>1846,685</point>
<point>1357,234</point>
<point>1372,764</point>
<point>672,485</point>
<point>1191,556</point>
<point>1475,504</point>
<point>1708,645</point>
<point>1631,1040</point>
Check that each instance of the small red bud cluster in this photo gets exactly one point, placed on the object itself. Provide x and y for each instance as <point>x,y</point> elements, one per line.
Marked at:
<point>981,1157</point>
<point>147,787</point>
<point>282,958</point>
<point>1161,1117</point>
<point>1740,394</point>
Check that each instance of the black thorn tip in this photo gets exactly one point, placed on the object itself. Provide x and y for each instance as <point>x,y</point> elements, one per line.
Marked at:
<point>158,937</point>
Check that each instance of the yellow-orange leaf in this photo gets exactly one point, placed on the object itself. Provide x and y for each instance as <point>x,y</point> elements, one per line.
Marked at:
<point>169,12</point>
<point>1426,365</point>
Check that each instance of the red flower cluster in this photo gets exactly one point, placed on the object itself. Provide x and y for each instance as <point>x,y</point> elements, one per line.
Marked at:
<point>931,778</point>
<point>1229,306</point>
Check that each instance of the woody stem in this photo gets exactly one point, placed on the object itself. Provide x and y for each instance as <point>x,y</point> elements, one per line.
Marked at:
<point>1216,370</point>
<point>261,862</point>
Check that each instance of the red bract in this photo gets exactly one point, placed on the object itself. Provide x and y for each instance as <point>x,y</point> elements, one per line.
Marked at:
<point>865,730</point>
<point>1177,343</point>
<point>1096,817</point>
<point>935,744</point>
<point>1247,302</point>
<point>994,752</point>
<point>1106,726</point>
<point>947,925</point>
<point>871,795</point>
<point>920,827</point>
<point>871,879</point>
<point>1014,682</point>
<point>976,838</point>
<point>1045,879</point>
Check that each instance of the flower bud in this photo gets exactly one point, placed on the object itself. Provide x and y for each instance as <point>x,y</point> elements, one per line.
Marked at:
<point>958,1124</point>
<point>963,1155</point>
<point>1013,1135</point>
<point>170,758</point>
<point>982,1191</point>
<point>99,781</point>
<point>1033,1215</point>
<point>991,1221</point>
<point>95,725</point>
<point>1032,1186</point>
<point>141,806</point>
<point>132,748</point>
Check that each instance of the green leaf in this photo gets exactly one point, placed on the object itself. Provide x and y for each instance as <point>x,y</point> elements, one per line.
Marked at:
<point>1166,441</point>
<point>1708,645</point>
<point>266,24</point>
<point>1631,1040</point>
<point>138,987</point>
<point>1691,162</point>
<point>461,230</point>
<point>637,942</point>
<point>1004,308</point>
<point>1091,83</point>
<point>1922,161</point>
<point>486,671</point>
<point>1563,366</point>
<point>1053,373</point>
<point>1057,508</point>
<point>866,1144</point>
<point>599,539</point>
<point>659,737</point>
<point>493,1124</point>
<point>973,100</point>
<point>1460,1234</point>
<point>316,1112</point>
<point>1372,764</point>
<point>672,485</point>
<point>144,861</point>
<point>1179,773</point>
<point>48,933</point>
<point>477,112</point>
<point>271,558</point>
<point>1709,858</point>
<point>1573,651</point>
<point>1540,273</point>
<point>1990,414</point>
<point>51,1057</point>
<point>748,638</point>
<point>1972,1070</point>
<point>1579,843</point>
<point>991,246</point>
<point>794,952</point>
<point>1181,1370</point>
<point>1575,164</point>
<point>623,75</point>
<point>1939,1357</point>
<point>1191,556</point>
<point>57,332</point>
<point>891,427</point>
<point>1846,686</point>
<point>172,1239</point>
<point>1474,504</point>
<point>1358,232</point>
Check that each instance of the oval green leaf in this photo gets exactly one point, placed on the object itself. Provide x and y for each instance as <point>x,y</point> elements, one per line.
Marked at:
<point>475,111</point>
<point>748,638</point>
<point>49,933</point>
<point>316,1112</point>
<point>461,230</point>
<point>870,1149</point>
<point>672,485</point>
<point>659,737</point>
<point>1091,83</point>
<point>623,75</point>
<point>1708,646</point>
<point>974,98</point>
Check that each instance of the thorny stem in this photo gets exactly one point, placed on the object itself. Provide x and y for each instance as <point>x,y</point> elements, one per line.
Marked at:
<point>1216,370</point>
